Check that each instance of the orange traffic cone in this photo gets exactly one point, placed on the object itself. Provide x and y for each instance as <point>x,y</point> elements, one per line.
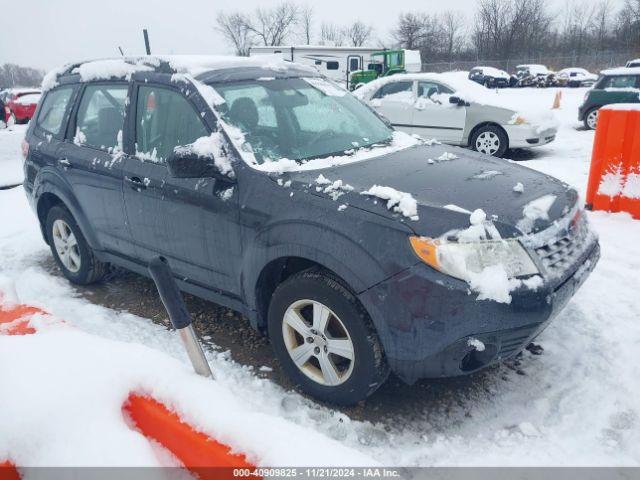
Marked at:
<point>556,101</point>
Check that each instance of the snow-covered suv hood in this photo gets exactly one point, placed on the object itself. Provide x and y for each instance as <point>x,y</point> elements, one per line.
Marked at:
<point>445,184</point>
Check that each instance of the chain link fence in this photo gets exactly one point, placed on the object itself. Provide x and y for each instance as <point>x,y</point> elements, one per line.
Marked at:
<point>592,62</point>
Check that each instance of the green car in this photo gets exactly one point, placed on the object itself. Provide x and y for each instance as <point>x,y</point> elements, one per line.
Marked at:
<point>618,85</point>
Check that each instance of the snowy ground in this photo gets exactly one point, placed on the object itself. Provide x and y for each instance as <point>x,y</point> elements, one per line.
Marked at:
<point>576,405</point>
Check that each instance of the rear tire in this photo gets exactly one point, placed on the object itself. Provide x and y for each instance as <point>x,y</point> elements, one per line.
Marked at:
<point>591,119</point>
<point>70,250</point>
<point>314,318</point>
<point>490,140</point>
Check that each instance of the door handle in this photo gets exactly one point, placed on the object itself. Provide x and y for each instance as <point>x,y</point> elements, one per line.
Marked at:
<point>135,182</point>
<point>64,163</point>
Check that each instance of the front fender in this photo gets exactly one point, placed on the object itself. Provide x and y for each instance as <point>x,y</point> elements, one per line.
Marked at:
<point>311,241</point>
<point>51,181</point>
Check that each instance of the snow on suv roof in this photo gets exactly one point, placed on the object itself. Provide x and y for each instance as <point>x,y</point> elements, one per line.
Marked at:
<point>622,71</point>
<point>194,65</point>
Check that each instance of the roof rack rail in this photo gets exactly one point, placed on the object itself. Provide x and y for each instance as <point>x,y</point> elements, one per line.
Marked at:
<point>159,65</point>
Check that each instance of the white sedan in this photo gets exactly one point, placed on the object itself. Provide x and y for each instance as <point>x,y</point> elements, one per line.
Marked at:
<point>457,111</point>
<point>577,77</point>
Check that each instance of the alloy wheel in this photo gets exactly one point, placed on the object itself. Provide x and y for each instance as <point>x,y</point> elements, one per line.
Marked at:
<point>592,119</point>
<point>66,246</point>
<point>488,143</point>
<point>318,342</point>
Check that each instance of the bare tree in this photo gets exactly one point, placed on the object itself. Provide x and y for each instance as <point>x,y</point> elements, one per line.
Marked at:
<point>453,32</point>
<point>331,34</point>
<point>306,22</point>
<point>272,26</point>
<point>12,75</point>
<point>601,22</point>
<point>358,33</point>
<point>234,28</point>
<point>410,30</point>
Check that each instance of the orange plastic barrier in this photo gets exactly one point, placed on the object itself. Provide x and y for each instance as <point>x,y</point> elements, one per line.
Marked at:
<point>10,323</point>
<point>614,177</point>
<point>203,456</point>
<point>8,471</point>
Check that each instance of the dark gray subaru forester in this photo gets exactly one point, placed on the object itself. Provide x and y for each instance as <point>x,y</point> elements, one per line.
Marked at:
<point>272,191</point>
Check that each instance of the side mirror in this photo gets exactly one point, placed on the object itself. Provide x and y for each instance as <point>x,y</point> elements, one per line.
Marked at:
<point>185,163</point>
<point>457,101</point>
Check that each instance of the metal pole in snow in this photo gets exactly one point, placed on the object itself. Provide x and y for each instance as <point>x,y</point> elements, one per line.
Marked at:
<point>178,314</point>
<point>146,41</point>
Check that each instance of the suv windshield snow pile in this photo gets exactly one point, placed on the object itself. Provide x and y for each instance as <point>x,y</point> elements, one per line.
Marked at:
<point>299,119</point>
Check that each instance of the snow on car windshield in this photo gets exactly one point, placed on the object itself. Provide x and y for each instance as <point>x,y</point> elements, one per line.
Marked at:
<point>296,120</point>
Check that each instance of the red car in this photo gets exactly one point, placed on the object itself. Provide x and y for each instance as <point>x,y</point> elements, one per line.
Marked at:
<point>21,104</point>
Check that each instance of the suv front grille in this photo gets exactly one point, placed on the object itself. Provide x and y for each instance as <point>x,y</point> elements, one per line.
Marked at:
<point>560,254</point>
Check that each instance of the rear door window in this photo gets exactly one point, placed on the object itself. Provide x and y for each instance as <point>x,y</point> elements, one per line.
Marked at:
<point>428,89</point>
<point>164,120</point>
<point>100,117</point>
<point>51,116</point>
<point>399,91</point>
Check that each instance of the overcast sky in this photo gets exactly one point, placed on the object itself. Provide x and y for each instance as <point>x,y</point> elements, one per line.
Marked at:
<point>47,33</point>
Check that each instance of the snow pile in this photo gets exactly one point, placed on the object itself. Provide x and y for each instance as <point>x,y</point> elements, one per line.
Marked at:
<point>397,201</point>
<point>622,106</point>
<point>537,209</point>
<point>631,187</point>
<point>334,189</point>
<point>480,229</point>
<point>614,182</point>
<point>446,156</point>
<point>399,141</point>
<point>476,344</point>
<point>325,86</point>
<point>518,187</point>
<point>487,174</point>
<point>50,80</point>
<point>89,394</point>
<point>493,283</point>
<point>210,147</point>
<point>109,69</point>
<point>11,171</point>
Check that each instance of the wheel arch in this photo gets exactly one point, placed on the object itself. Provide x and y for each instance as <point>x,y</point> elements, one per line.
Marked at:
<point>487,123</point>
<point>273,256</point>
<point>51,190</point>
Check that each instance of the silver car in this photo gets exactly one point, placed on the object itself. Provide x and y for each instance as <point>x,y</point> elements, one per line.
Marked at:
<point>457,111</point>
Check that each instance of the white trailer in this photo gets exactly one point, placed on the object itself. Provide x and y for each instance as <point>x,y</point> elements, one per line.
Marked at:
<point>336,63</point>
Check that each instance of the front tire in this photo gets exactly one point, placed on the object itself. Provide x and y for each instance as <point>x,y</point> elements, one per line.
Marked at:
<point>324,339</point>
<point>490,140</point>
<point>70,250</point>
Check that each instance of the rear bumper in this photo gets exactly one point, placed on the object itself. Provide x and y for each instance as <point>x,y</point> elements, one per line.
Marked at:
<point>426,320</point>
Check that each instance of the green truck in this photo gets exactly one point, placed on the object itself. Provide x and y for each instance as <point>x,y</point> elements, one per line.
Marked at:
<point>385,63</point>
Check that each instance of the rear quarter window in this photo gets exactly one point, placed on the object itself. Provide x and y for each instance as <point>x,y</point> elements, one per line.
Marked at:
<point>52,112</point>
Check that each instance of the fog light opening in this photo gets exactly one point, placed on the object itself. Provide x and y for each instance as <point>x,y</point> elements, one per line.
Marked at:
<point>476,359</point>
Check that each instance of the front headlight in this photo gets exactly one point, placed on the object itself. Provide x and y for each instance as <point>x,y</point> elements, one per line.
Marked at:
<point>460,259</point>
<point>520,120</point>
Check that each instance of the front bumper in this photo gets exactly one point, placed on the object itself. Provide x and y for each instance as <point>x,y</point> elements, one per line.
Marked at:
<point>526,136</point>
<point>425,319</point>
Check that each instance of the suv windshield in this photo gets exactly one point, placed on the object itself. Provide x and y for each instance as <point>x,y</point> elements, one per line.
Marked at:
<point>299,118</point>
